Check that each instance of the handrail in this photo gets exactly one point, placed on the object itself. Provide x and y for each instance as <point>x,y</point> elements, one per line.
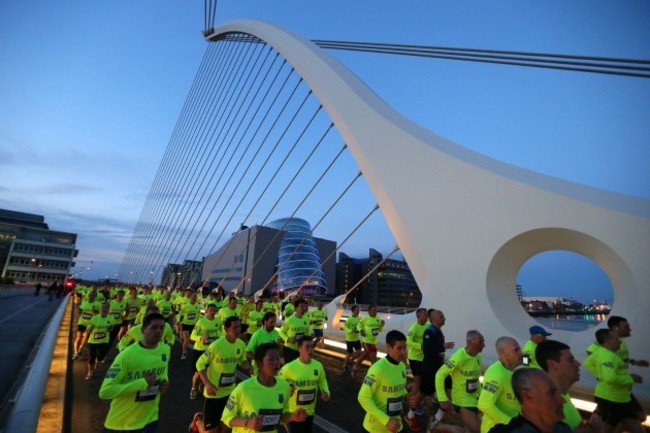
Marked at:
<point>25,413</point>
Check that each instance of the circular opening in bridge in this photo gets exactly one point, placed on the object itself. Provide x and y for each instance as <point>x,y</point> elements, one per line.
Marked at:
<point>564,290</point>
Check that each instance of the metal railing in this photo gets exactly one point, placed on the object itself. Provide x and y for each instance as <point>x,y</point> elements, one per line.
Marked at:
<point>27,404</point>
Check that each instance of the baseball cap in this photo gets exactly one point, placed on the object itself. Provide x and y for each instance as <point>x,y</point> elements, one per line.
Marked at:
<point>538,330</point>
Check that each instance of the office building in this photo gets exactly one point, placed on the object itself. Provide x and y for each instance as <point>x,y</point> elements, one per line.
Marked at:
<point>30,252</point>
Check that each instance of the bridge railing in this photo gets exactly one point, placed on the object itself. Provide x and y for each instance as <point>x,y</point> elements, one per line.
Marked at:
<point>25,413</point>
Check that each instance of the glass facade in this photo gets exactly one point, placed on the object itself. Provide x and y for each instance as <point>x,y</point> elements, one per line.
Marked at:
<point>298,262</point>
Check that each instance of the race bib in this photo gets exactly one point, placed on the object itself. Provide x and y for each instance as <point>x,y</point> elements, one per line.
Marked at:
<point>208,340</point>
<point>259,323</point>
<point>99,335</point>
<point>271,419</point>
<point>299,335</point>
<point>116,315</point>
<point>394,406</point>
<point>166,311</point>
<point>86,315</point>
<point>227,379</point>
<point>306,396</point>
<point>191,316</point>
<point>375,332</point>
<point>471,385</point>
<point>148,394</point>
<point>133,310</point>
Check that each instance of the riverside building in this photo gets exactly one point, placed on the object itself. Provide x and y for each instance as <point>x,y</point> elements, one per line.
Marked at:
<point>30,252</point>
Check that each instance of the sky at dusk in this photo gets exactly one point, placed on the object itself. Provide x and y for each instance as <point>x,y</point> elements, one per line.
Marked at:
<point>90,93</point>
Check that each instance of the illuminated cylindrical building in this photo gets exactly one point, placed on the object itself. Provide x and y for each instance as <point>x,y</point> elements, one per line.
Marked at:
<point>298,263</point>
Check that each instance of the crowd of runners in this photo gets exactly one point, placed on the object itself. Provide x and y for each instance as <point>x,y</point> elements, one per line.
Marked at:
<point>252,375</point>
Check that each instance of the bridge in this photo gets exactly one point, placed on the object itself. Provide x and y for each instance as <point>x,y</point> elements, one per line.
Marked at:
<point>464,222</point>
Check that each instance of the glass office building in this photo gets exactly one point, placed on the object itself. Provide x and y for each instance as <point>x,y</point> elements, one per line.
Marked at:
<point>299,263</point>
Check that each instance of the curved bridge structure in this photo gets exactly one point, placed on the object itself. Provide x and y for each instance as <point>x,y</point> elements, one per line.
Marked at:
<point>466,223</point>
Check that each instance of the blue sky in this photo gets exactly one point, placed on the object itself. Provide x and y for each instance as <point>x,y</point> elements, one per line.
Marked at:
<point>90,93</point>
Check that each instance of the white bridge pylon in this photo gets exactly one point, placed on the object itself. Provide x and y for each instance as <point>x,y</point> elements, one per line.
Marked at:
<point>465,222</point>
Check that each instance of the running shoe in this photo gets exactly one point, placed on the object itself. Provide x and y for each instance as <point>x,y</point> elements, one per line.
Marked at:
<point>89,375</point>
<point>412,423</point>
<point>193,428</point>
<point>75,355</point>
<point>193,394</point>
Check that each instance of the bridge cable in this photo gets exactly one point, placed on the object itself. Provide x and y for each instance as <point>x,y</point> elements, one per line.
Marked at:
<point>599,65</point>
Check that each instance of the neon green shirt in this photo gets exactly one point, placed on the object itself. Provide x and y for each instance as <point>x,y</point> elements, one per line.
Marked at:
<point>132,308</point>
<point>351,328</point>
<point>382,393</point>
<point>246,309</point>
<point>465,371</point>
<point>165,307</point>
<point>614,380</point>
<point>100,329</point>
<point>273,307</point>
<point>414,341</point>
<point>307,380</point>
<point>134,335</point>
<point>318,318</point>
<point>260,337</point>
<point>497,400</point>
<point>254,321</point>
<point>289,309</point>
<point>571,415</point>
<point>133,403</point>
<point>250,398</point>
<point>529,349</point>
<point>190,313</point>
<point>220,360</point>
<point>371,327</point>
<point>116,309</point>
<point>295,327</point>
<point>88,310</point>
<point>205,326</point>
<point>226,312</point>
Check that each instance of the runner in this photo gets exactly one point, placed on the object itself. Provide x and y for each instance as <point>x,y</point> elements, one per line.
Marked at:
<point>248,307</point>
<point>433,347</point>
<point>217,367</point>
<point>206,330</point>
<point>613,394</point>
<point>133,304</point>
<point>295,327</point>
<point>266,334</point>
<point>318,317</point>
<point>261,403</point>
<point>415,356</point>
<point>540,403</point>
<point>306,377</point>
<point>187,317</point>
<point>369,327</point>
<point>117,308</point>
<point>166,307</point>
<point>89,308</point>
<point>135,381</point>
<point>254,320</point>
<point>135,334</point>
<point>384,387</point>
<point>497,400</point>
<point>97,336</point>
<point>537,335</point>
<point>352,342</point>
<point>229,310</point>
<point>556,359</point>
<point>464,367</point>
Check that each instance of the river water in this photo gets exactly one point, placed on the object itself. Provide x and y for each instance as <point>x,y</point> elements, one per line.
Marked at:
<point>574,322</point>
